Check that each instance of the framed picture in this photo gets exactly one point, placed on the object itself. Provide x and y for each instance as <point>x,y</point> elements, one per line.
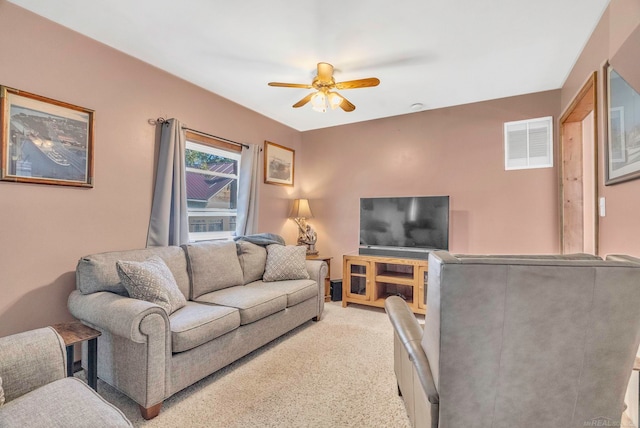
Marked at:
<point>278,164</point>
<point>622,121</point>
<point>45,141</point>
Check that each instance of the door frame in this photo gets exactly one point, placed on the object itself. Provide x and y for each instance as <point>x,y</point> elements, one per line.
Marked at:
<point>584,103</point>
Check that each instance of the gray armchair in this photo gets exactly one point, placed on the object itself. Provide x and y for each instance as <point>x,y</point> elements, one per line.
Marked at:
<point>519,341</point>
<point>37,392</point>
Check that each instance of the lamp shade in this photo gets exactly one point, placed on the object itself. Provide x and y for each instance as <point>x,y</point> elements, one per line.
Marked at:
<point>300,209</point>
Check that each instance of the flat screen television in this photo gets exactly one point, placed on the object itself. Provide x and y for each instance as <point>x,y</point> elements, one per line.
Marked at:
<point>420,222</point>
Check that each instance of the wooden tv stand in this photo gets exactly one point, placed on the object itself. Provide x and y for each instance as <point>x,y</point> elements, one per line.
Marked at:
<point>369,280</point>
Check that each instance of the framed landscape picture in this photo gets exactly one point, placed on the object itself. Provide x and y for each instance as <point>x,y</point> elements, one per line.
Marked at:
<point>278,164</point>
<point>623,129</point>
<point>45,141</point>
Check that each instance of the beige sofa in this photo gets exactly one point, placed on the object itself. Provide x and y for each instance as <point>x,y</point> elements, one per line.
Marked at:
<point>519,341</point>
<point>230,311</point>
<point>36,391</point>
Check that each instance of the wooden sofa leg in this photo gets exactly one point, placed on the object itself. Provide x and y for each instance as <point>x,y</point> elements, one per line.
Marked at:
<point>150,412</point>
<point>316,319</point>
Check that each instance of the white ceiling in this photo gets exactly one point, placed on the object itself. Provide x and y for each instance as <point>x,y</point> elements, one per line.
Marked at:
<point>437,53</point>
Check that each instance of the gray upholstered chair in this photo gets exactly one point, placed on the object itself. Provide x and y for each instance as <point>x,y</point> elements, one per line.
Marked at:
<point>519,341</point>
<point>37,392</point>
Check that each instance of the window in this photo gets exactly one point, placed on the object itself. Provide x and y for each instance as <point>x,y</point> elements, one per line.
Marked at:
<point>528,143</point>
<point>212,170</point>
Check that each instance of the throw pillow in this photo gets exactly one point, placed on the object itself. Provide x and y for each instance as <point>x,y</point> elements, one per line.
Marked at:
<point>152,281</point>
<point>1,393</point>
<point>285,262</point>
<point>252,260</point>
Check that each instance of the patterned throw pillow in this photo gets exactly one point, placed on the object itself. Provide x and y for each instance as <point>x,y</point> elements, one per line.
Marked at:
<point>1,393</point>
<point>152,281</point>
<point>285,262</point>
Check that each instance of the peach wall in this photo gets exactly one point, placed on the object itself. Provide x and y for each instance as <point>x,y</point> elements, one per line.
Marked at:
<point>456,151</point>
<point>618,230</point>
<point>45,229</point>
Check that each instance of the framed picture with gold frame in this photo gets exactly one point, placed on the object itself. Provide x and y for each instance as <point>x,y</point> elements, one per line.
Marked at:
<point>44,140</point>
<point>279,164</point>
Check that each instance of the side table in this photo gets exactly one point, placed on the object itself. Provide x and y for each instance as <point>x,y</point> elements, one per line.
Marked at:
<point>327,279</point>
<point>75,332</point>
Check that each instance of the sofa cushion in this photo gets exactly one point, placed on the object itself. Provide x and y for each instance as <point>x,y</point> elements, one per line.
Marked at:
<point>212,266</point>
<point>252,260</point>
<point>285,262</point>
<point>197,323</point>
<point>97,272</point>
<point>297,290</point>
<point>67,402</point>
<point>254,303</point>
<point>152,281</point>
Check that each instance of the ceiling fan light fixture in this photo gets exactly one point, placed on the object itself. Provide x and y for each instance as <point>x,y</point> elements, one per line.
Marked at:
<point>319,102</point>
<point>335,100</point>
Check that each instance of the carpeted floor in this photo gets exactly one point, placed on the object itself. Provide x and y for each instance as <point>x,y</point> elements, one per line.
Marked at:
<point>334,373</point>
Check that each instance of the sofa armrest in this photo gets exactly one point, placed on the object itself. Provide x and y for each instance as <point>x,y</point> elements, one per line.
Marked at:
<point>318,270</point>
<point>30,360</point>
<point>410,332</point>
<point>140,366</point>
<point>119,315</point>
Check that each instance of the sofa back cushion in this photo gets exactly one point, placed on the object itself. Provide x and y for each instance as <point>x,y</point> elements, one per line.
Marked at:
<point>252,260</point>
<point>98,272</point>
<point>212,266</point>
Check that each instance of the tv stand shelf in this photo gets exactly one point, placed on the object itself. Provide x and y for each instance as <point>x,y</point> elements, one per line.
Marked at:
<point>395,278</point>
<point>369,280</point>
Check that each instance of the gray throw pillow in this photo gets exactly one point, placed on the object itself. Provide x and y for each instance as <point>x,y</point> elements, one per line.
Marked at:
<point>1,393</point>
<point>252,260</point>
<point>152,281</point>
<point>285,262</point>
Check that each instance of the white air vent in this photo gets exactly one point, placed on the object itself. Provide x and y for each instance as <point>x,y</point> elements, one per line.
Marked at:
<point>528,143</point>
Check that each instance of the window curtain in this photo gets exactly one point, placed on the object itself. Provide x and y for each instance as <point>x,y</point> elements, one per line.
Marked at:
<point>169,224</point>
<point>247,217</point>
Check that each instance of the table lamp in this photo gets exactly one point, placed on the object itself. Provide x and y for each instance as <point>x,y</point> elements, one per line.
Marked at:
<point>300,212</point>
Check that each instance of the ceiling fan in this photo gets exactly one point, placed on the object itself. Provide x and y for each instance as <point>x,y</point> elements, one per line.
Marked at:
<point>325,86</point>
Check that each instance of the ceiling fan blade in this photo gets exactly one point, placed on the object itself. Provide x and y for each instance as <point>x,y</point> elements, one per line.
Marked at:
<point>290,85</point>
<point>325,72</point>
<point>303,101</point>
<point>346,105</point>
<point>360,83</point>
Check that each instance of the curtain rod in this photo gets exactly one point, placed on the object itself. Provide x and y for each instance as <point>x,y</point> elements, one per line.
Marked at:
<point>195,131</point>
<point>216,137</point>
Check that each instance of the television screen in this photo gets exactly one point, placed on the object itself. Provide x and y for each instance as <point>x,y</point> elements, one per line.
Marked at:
<point>407,222</point>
